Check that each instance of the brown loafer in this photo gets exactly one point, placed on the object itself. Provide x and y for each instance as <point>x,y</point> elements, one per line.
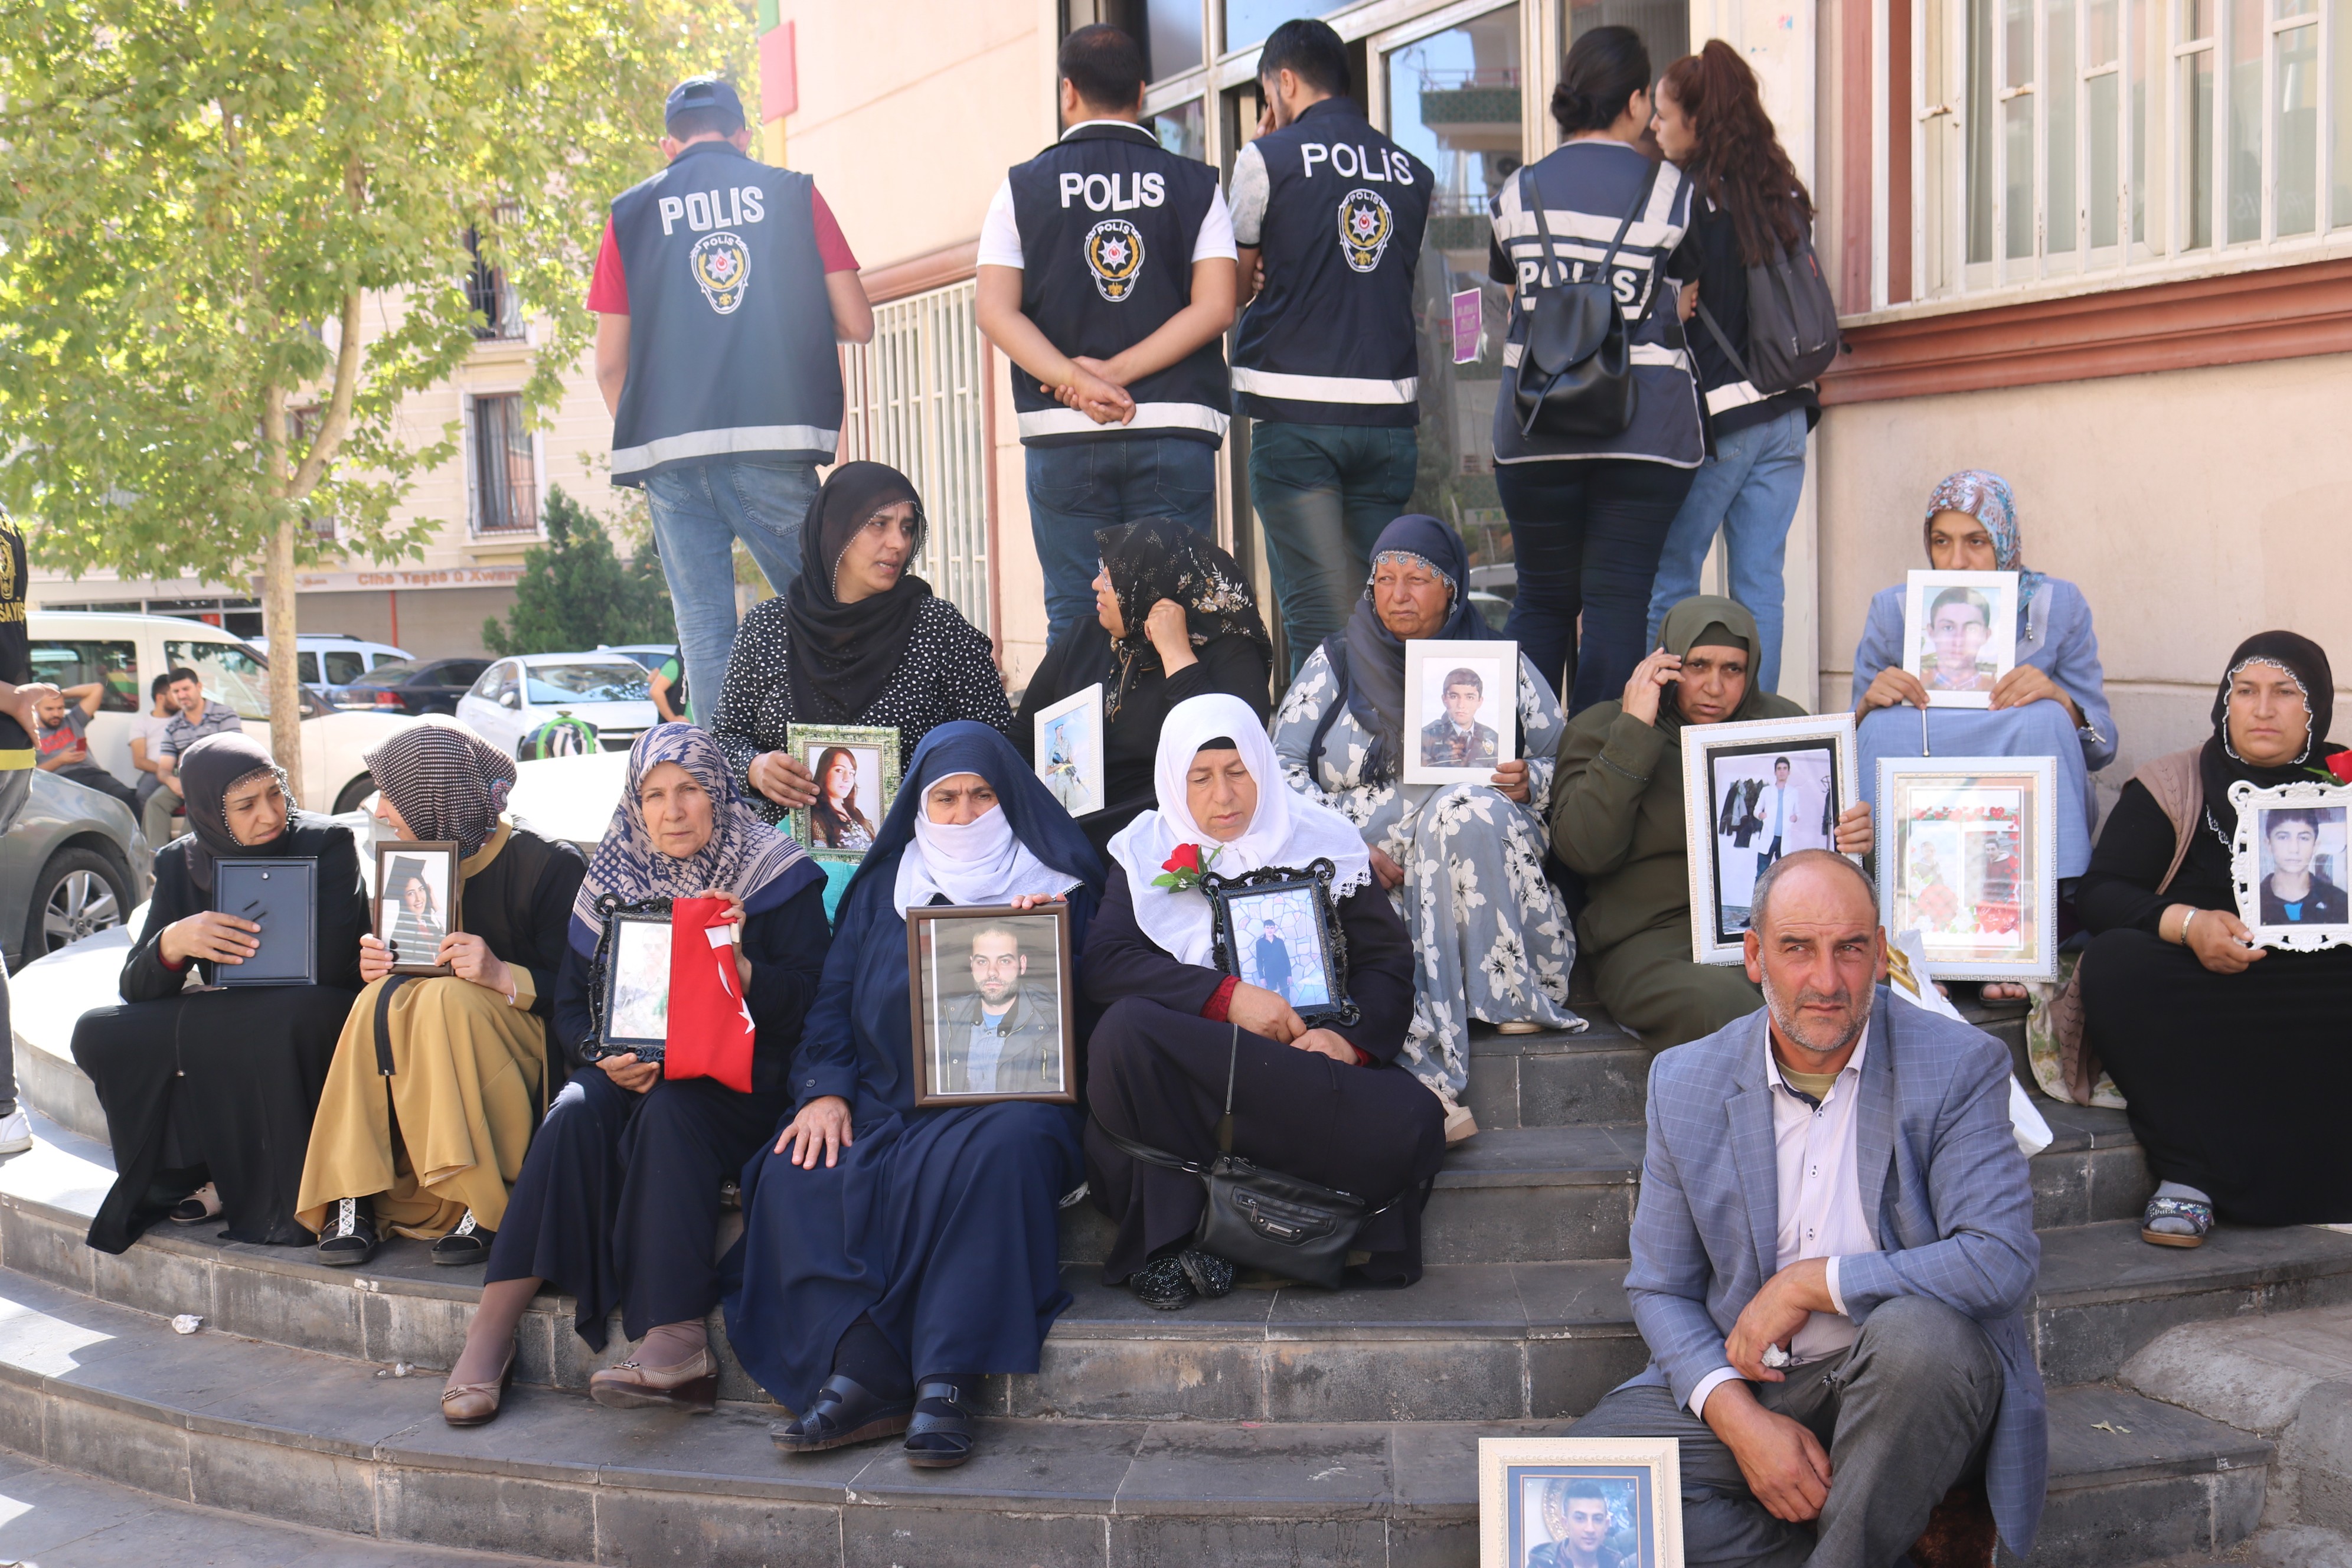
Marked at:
<point>472,1404</point>
<point>692,1386</point>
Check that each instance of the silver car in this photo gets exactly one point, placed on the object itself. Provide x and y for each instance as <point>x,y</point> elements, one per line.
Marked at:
<point>74,864</point>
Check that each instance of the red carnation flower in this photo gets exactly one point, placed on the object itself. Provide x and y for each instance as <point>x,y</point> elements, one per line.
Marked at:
<point>2340,764</point>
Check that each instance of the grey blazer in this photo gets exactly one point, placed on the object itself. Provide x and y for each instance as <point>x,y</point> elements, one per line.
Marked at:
<point>1941,1176</point>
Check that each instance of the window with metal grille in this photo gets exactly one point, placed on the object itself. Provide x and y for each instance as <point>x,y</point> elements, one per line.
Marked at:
<point>503,478</point>
<point>2055,138</point>
<point>491,296</point>
<point>918,400</point>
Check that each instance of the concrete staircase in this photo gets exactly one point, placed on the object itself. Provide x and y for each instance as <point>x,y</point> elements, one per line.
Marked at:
<point>1290,1427</point>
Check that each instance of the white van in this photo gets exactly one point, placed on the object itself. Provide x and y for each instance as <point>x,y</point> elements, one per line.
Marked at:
<point>73,648</point>
<point>331,659</point>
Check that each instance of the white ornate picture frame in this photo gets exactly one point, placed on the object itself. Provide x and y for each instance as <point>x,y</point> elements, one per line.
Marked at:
<point>1732,794</point>
<point>1537,1495</point>
<point>2322,832</point>
<point>1968,858</point>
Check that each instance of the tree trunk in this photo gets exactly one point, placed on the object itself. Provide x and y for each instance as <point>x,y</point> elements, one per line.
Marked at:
<point>285,664</point>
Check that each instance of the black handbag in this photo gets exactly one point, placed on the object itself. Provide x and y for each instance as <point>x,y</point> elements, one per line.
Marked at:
<point>1257,1218</point>
<point>1575,376</point>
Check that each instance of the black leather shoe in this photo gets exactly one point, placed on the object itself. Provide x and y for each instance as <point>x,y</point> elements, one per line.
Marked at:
<point>1162,1283</point>
<point>939,1438</point>
<point>1210,1275</point>
<point>842,1413</point>
<point>469,1244</point>
<point>350,1239</point>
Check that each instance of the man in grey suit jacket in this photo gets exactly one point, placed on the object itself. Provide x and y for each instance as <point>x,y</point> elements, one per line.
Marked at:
<point>1832,1253</point>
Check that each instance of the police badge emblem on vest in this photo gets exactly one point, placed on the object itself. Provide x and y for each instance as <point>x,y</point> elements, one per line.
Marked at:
<point>720,263</point>
<point>1365,226</point>
<point>1114,252</point>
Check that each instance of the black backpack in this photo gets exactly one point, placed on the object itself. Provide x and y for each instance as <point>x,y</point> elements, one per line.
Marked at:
<point>1792,331</point>
<point>1576,367</point>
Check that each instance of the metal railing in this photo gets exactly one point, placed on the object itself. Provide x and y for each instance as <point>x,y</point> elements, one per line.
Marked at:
<point>917,398</point>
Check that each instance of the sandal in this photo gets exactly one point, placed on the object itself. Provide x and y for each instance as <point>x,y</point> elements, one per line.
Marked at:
<point>692,1386</point>
<point>2199,1216</point>
<point>842,1413</point>
<point>198,1207</point>
<point>472,1404</point>
<point>468,1245</point>
<point>945,1441</point>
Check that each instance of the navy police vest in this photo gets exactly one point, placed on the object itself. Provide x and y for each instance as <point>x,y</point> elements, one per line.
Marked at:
<point>1107,219</point>
<point>730,331</point>
<point>1329,339</point>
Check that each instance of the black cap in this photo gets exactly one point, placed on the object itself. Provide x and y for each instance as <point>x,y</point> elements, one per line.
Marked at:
<point>702,92</point>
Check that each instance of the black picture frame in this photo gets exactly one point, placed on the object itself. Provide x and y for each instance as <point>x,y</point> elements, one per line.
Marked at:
<point>1229,915</point>
<point>927,986</point>
<point>604,979</point>
<point>423,857</point>
<point>282,898</point>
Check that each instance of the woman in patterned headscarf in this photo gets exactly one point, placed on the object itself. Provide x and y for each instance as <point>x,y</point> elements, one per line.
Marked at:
<point>439,1080</point>
<point>1174,619</point>
<point>2053,703</point>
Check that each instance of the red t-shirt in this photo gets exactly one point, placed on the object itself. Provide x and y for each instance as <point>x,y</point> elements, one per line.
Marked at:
<point>608,289</point>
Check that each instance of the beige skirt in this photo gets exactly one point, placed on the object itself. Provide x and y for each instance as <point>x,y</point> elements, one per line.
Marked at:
<point>464,1096</point>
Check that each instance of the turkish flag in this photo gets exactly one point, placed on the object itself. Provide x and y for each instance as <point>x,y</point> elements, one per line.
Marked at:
<point>711,1031</point>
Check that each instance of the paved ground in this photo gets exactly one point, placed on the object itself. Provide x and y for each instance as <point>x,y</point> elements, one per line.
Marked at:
<point>56,1519</point>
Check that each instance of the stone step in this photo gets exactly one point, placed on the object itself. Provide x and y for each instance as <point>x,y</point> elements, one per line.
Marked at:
<point>290,1435</point>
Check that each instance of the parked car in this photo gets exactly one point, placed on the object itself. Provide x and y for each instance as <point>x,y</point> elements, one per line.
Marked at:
<point>326,660</point>
<point>649,654</point>
<point>74,864</point>
<point>516,695</point>
<point>127,651</point>
<point>410,685</point>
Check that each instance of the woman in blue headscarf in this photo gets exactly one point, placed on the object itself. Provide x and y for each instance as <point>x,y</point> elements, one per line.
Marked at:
<point>2052,704</point>
<point>891,1257</point>
<point>617,1204</point>
<point>1463,862</point>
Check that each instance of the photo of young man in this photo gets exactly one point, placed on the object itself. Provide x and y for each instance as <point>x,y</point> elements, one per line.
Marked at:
<point>1576,1517</point>
<point>1004,1036</point>
<point>2292,891</point>
<point>1960,621</point>
<point>1457,739</point>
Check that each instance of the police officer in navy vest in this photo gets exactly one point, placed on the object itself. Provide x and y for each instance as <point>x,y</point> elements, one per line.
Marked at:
<point>720,289</point>
<point>1328,213</point>
<point>1106,274</point>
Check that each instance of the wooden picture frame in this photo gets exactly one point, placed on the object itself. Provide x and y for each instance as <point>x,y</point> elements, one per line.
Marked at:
<point>874,750</point>
<point>1431,667</point>
<point>434,867</point>
<point>1068,749</point>
<point>1529,1489</point>
<point>1967,857</point>
<point>962,960</point>
<point>1933,599</point>
<point>1731,776</point>
<point>628,986</point>
<point>282,898</point>
<point>2322,815</point>
<point>1313,962</point>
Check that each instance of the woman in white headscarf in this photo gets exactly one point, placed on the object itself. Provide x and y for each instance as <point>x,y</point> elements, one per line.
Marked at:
<point>1326,1104</point>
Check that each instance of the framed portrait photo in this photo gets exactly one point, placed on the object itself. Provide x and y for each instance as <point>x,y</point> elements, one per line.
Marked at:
<point>1569,1502</point>
<point>2288,864</point>
<point>629,983</point>
<point>416,888</point>
<point>1753,791</point>
<point>995,1013</point>
<point>1069,750</point>
<point>856,767</point>
<point>1461,710</point>
<point>1967,857</point>
<point>1959,633</point>
<point>1278,927</point>
<point>281,897</point>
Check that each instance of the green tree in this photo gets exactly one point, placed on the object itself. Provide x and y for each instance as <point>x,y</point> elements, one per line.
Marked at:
<point>576,593</point>
<point>233,237</point>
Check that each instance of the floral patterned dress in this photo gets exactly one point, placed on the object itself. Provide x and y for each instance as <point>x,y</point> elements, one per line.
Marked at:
<point>1491,938</point>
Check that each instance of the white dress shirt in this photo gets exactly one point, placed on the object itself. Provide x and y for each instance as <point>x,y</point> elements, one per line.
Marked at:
<point>1819,1190</point>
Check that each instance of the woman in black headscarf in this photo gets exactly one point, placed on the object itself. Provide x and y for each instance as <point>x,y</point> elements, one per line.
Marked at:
<point>857,639</point>
<point>1174,619</point>
<point>209,1095</point>
<point>439,1080</point>
<point>2237,1060</point>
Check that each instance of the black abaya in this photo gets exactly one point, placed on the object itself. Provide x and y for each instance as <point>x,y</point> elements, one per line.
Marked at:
<point>228,1081</point>
<point>1157,1072</point>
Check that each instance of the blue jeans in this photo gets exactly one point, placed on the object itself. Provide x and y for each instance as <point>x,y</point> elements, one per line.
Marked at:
<point>699,510</point>
<point>1077,489</point>
<point>1749,490</point>
<point>1324,493</point>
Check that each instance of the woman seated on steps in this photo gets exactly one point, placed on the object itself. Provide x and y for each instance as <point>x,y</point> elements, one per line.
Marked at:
<point>617,1204</point>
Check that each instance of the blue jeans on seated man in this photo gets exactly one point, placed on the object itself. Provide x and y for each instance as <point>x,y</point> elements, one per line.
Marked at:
<point>1077,489</point>
<point>1324,493</point>
<point>699,510</point>
<point>1750,490</point>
